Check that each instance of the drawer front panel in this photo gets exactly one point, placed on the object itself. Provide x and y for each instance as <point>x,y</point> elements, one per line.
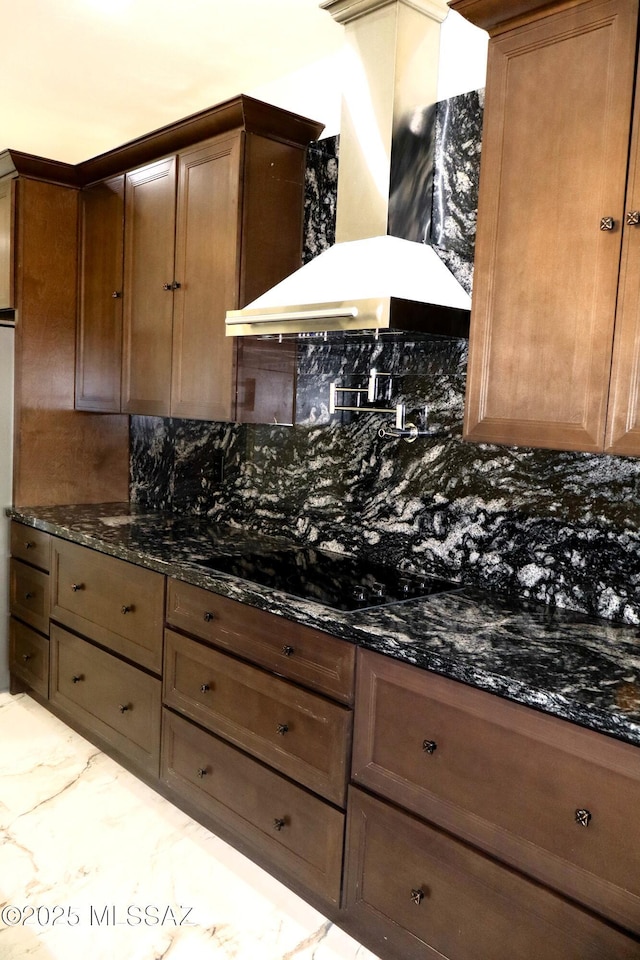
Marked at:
<point>297,831</point>
<point>114,699</point>
<point>297,732</point>
<point>115,603</point>
<point>299,653</point>
<point>506,777</point>
<point>30,545</point>
<point>29,595</point>
<point>29,657</point>
<point>417,893</point>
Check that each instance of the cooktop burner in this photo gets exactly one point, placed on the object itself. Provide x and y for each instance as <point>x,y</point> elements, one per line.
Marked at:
<point>338,581</point>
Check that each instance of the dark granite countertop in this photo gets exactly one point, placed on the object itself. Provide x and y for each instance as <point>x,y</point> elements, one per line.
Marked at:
<point>576,667</point>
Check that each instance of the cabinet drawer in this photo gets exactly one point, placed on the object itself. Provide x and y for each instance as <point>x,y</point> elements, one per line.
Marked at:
<point>29,657</point>
<point>296,831</point>
<point>115,603</point>
<point>414,892</point>
<point>308,656</point>
<point>298,732</point>
<point>108,697</point>
<point>29,595</point>
<point>30,545</point>
<point>505,777</point>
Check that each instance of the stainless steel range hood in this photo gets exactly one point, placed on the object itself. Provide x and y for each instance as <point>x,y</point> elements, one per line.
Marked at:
<point>381,274</point>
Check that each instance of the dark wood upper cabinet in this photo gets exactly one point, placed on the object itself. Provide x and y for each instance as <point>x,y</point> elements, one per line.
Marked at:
<point>150,217</point>
<point>206,229</point>
<point>551,309</point>
<point>206,267</point>
<point>7,221</point>
<point>99,341</point>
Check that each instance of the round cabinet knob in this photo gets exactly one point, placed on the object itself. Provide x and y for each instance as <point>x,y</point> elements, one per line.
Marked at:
<point>116,294</point>
<point>607,223</point>
<point>282,728</point>
<point>29,545</point>
<point>204,688</point>
<point>287,651</point>
<point>279,823</point>
<point>77,586</point>
<point>28,595</point>
<point>126,607</point>
<point>583,817</point>
<point>208,617</point>
<point>76,679</point>
<point>124,707</point>
<point>417,896</point>
<point>201,772</point>
<point>26,657</point>
<point>429,746</point>
<point>633,218</point>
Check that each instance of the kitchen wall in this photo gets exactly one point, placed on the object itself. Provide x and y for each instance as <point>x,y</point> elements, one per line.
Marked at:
<point>561,528</point>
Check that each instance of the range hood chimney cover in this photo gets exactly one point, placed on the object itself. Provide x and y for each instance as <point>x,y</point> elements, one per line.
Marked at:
<point>380,274</point>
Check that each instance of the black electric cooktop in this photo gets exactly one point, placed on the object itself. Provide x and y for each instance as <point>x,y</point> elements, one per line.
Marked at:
<point>333,579</point>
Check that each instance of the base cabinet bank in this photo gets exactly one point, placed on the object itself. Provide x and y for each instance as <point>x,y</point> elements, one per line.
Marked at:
<point>424,816</point>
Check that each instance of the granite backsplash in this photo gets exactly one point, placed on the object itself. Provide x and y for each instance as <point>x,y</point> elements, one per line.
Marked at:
<point>561,528</point>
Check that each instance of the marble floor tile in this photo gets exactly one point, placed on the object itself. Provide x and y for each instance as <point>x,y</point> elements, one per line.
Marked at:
<point>93,863</point>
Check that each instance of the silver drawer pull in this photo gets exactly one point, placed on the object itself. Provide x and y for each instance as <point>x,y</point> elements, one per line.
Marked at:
<point>77,678</point>
<point>204,688</point>
<point>583,817</point>
<point>429,746</point>
<point>287,651</point>
<point>127,608</point>
<point>282,728</point>
<point>417,896</point>
<point>123,707</point>
<point>208,617</point>
<point>201,773</point>
<point>77,586</point>
<point>279,823</point>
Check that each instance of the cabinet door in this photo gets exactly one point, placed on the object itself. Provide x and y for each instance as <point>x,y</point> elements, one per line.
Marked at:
<point>203,372</point>
<point>554,159</point>
<point>6,243</point>
<point>99,341</point>
<point>148,293</point>
<point>623,425</point>
<point>412,893</point>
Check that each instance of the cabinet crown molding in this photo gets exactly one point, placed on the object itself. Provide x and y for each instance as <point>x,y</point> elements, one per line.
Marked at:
<point>344,11</point>
<point>498,15</point>
<point>239,113</point>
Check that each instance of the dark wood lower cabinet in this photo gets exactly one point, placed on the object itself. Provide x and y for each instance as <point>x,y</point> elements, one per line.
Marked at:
<point>29,595</point>
<point>553,800</point>
<point>462,835</point>
<point>29,657</point>
<point>289,828</point>
<point>108,697</point>
<point>412,891</point>
<point>299,733</point>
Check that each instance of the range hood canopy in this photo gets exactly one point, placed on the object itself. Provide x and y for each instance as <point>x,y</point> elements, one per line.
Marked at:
<point>382,283</point>
<point>381,274</point>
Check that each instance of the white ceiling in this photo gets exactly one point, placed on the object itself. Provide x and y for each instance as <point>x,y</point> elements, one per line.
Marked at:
<point>83,76</point>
